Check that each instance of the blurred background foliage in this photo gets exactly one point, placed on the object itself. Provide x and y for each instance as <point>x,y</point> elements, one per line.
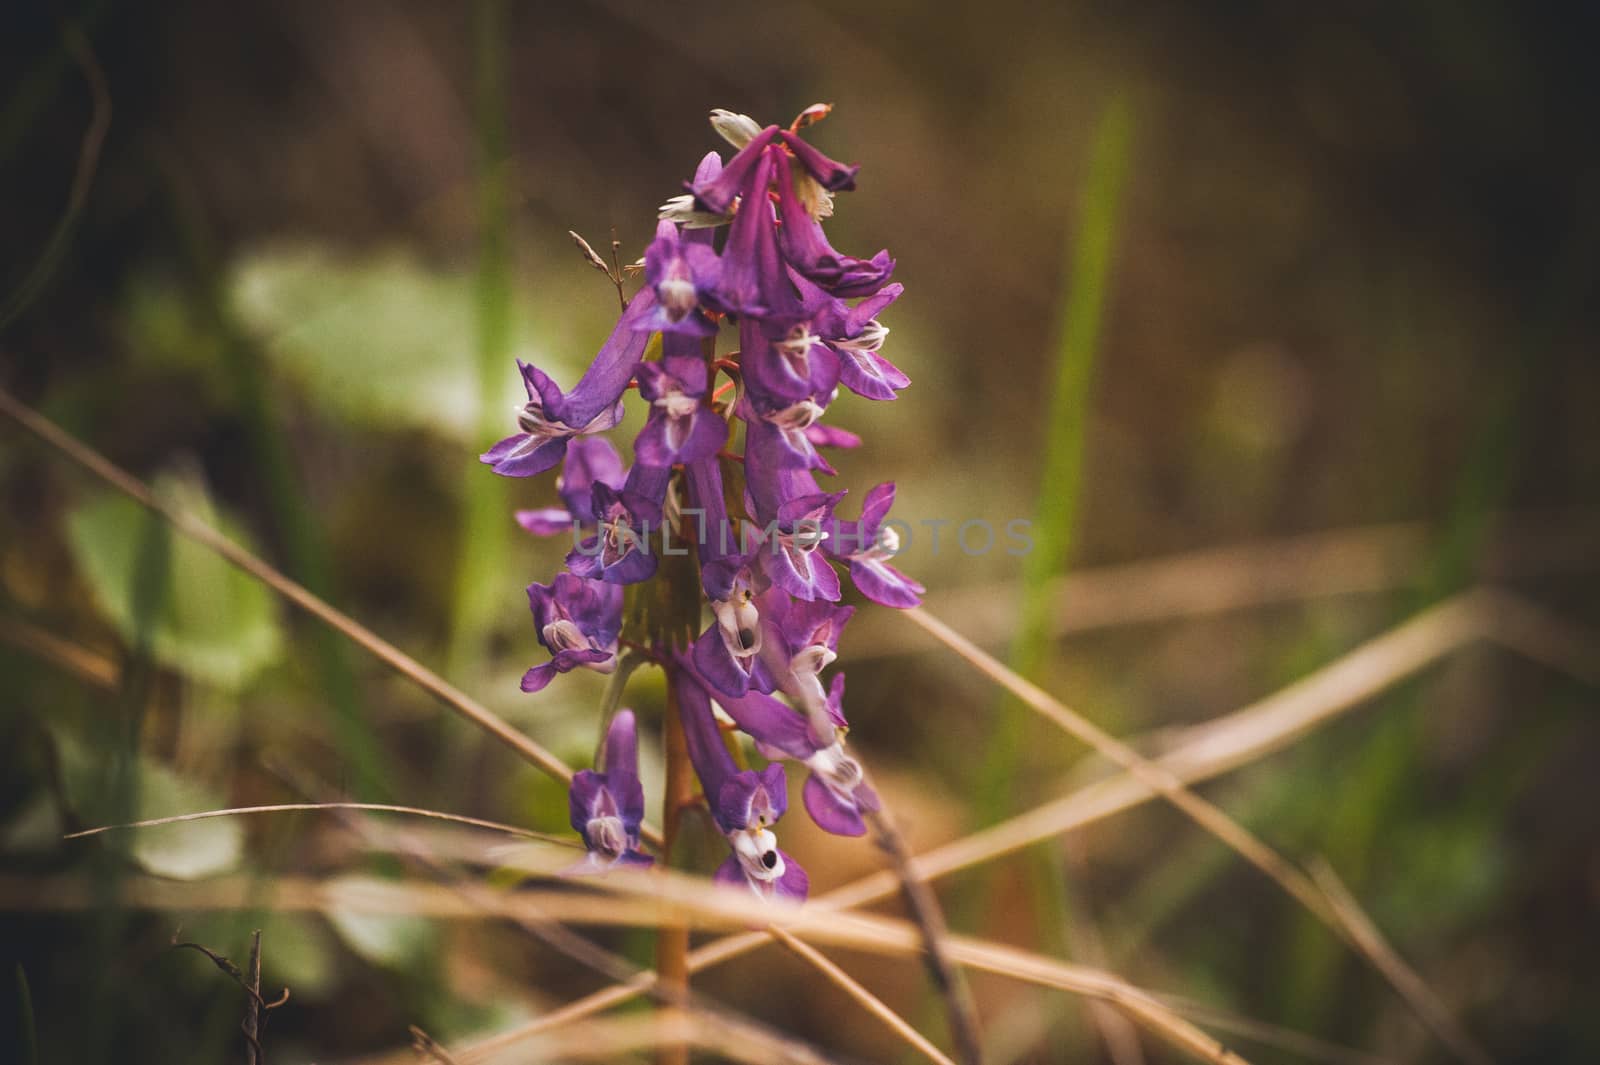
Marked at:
<point>1342,265</point>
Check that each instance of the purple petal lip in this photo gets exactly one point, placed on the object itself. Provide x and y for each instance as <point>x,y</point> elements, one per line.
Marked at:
<point>547,521</point>
<point>726,674</point>
<point>831,812</point>
<point>870,375</point>
<point>884,584</point>
<point>793,886</point>
<point>523,455</point>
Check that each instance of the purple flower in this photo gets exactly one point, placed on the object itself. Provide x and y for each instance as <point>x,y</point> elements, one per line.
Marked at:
<point>808,251</point>
<point>728,652</point>
<point>781,432</point>
<point>681,427</point>
<point>607,807</point>
<point>717,193</point>
<point>791,555</point>
<point>619,553</point>
<point>855,335</point>
<point>835,177</point>
<point>868,545</point>
<point>745,244</point>
<point>590,461</point>
<point>836,793</point>
<point>551,417</point>
<point>577,621</point>
<point>682,273</point>
<point>752,280</point>
<point>786,364</point>
<point>744,803</point>
<point>798,641</point>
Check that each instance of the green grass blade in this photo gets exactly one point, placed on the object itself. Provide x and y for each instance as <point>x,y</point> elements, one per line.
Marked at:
<point>1055,510</point>
<point>27,1036</point>
<point>304,546</point>
<point>481,589</point>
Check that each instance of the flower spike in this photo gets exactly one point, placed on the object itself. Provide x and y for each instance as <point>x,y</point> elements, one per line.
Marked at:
<point>716,553</point>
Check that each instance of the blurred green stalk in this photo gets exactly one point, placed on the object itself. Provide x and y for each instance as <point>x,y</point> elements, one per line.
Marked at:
<point>1085,285</point>
<point>480,587</point>
<point>305,550</point>
<point>1056,506</point>
<point>27,1036</point>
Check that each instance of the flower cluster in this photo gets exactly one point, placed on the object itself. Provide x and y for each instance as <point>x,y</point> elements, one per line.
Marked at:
<point>721,515</point>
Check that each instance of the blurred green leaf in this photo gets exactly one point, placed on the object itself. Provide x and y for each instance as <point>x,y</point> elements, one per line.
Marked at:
<point>215,623</point>
<point>377,341</point>
<point>390,940</point>
<point>189,851</point>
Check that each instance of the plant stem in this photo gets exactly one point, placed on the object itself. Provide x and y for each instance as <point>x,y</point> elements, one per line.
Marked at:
<point>672,943</point>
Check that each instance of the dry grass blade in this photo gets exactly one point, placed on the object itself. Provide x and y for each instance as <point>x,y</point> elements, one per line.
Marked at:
<point>1373,943</point>
<point>368,807</point>
<point>1227,743</point>
<point>624,899</point>
<point>210,538</point>
<point>1083,941</point>
<point>616,1038</point>
<point>1210,817</point>
<point>1363,560</point>
<point>1275,1036</point>
<point>1536,633</point>
<point>93,669</point>
<point>866,999</point>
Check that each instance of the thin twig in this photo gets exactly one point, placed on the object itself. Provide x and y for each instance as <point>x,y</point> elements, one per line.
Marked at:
<point>426,1045</point>
<point>256,1008</point>
<point>866,999</point>
<point>210,538</point>
<point>1411,987</point>
<point>923,907</point>
<point>77,43</point>
<point>372,807</point>
<point>252,1007</point>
